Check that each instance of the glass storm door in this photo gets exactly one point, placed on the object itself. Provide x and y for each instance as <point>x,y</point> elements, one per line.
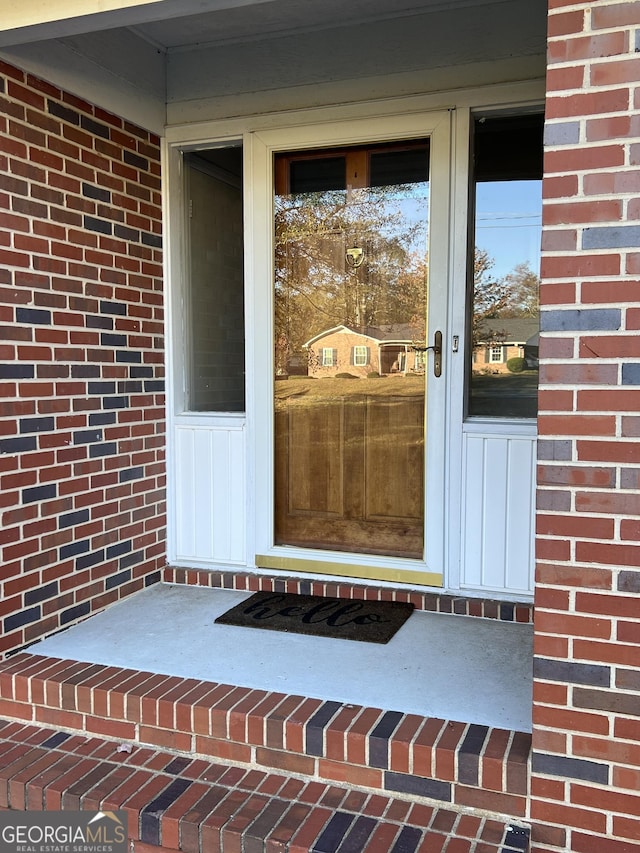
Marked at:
<point>351,274</point>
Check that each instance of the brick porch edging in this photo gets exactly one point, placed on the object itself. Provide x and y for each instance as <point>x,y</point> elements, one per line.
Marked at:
<point>197,806</point>
<point>388,751</point>
<point>434,602</point>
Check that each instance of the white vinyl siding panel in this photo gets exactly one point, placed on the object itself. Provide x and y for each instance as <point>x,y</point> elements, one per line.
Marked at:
<point>211,500</point>
<point>498,513</point>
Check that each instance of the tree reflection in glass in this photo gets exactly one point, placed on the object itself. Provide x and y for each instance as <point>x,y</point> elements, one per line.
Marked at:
<point>350,319</point>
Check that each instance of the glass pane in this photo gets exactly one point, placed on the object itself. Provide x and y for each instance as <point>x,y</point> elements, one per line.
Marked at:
<point>506,265</point>
<point>216,281</point>
<point>317,175</point>
<point>350,319</point>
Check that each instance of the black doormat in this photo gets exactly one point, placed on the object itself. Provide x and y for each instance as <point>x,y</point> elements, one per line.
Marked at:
<point>341,618</point>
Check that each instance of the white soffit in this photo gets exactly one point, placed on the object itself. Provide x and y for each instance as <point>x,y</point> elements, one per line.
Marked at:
<point>23,21</point>
<point>174,24</point>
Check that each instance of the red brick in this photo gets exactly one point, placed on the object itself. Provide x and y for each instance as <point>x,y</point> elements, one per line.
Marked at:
<point>611,399</point>
<point>615,15</point>
<point>572,425</point>
<point>565,23</point>
<point>357,735</point>
<point>567,815</point>
<point>275,723</point>
<point>569,720</point>
<point>561,348</point>
<point>606,800</point>
<point>223,749</point>
<point>292,763</point>
<point>174,814</point>
<point>350,773</point>
<point>626,828</point>
<point>548,789</point>
<point>619,346</point>
<point>336,732</point>
<point>560,186</point>
<point>492,760</point>
<point>111,728</point>
<point>611,555</point>
<point>608,503</point>
<point>573,625</point>
<point>446,747</point>
<point>238,722</point>
<point>401,750</point>
<point>566,77</point>
<point>616,653</point>
<point>592,46</point>
<point>608,128</point>
<point>575,526</point>
<point>211,828</point>
<point>549,549</point>
<point>633,317</point>
<point>490,800</point>
<point>580,212</point>
<point>38,784</point>
<point>580,374</point>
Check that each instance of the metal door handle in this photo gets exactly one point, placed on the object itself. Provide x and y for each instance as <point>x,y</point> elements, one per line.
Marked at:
<point>437,353</point>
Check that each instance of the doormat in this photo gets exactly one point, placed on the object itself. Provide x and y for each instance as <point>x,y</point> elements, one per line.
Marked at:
<point>340,618</point>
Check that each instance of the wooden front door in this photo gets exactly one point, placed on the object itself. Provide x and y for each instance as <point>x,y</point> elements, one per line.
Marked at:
<point>351,273</point>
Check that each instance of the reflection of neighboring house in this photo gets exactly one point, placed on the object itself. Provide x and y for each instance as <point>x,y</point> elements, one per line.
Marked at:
<point>502,339</point>
<point>384,350</point>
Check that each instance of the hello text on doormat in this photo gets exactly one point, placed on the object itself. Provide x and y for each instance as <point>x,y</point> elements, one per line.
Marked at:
<point>340,618</point>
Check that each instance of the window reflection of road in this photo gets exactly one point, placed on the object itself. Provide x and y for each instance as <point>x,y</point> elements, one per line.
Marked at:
<point>509,395</point>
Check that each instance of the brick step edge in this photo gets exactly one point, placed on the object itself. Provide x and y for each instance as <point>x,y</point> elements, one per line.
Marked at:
<point>461,605</point>
<point>396,753</point>
<point>181,803</point>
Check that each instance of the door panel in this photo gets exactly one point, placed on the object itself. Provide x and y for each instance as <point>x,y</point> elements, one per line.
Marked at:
<point>350,329</point>
<point>395,429</point>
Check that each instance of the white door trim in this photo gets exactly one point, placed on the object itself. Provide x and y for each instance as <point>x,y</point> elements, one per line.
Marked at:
<point>260,271</point>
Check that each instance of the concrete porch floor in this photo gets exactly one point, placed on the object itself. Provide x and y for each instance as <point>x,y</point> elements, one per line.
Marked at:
<point>437,665</point>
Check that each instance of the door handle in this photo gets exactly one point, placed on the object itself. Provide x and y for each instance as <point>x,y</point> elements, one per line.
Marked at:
<point>437,353</point>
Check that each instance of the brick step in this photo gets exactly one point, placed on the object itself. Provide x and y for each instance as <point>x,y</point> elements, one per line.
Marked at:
<point>395,754</point>
<point>183,803</point>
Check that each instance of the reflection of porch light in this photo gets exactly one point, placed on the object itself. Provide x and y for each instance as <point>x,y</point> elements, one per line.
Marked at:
<point>355,257</point>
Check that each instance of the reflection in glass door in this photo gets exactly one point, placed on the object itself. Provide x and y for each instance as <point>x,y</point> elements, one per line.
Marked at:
<point>351,273</point>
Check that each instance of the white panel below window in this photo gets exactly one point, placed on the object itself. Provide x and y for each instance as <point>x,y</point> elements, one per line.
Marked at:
<point>498,512</point>
<point>210,493</point>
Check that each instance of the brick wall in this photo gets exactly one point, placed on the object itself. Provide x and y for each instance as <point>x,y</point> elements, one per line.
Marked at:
<point>81,366</point>
<point>586,764</point>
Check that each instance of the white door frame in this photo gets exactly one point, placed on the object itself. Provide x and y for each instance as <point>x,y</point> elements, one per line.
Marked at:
<point>261,148</point>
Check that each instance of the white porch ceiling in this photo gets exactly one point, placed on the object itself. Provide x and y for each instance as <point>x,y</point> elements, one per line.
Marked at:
<point>159,62</point>
<point>174,24</point>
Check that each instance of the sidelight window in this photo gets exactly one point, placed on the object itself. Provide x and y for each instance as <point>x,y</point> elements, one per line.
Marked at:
<point>504,265</point>
<point>215,281</point>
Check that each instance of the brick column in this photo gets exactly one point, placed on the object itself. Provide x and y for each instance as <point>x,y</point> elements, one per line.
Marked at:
<point>585,787</point>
